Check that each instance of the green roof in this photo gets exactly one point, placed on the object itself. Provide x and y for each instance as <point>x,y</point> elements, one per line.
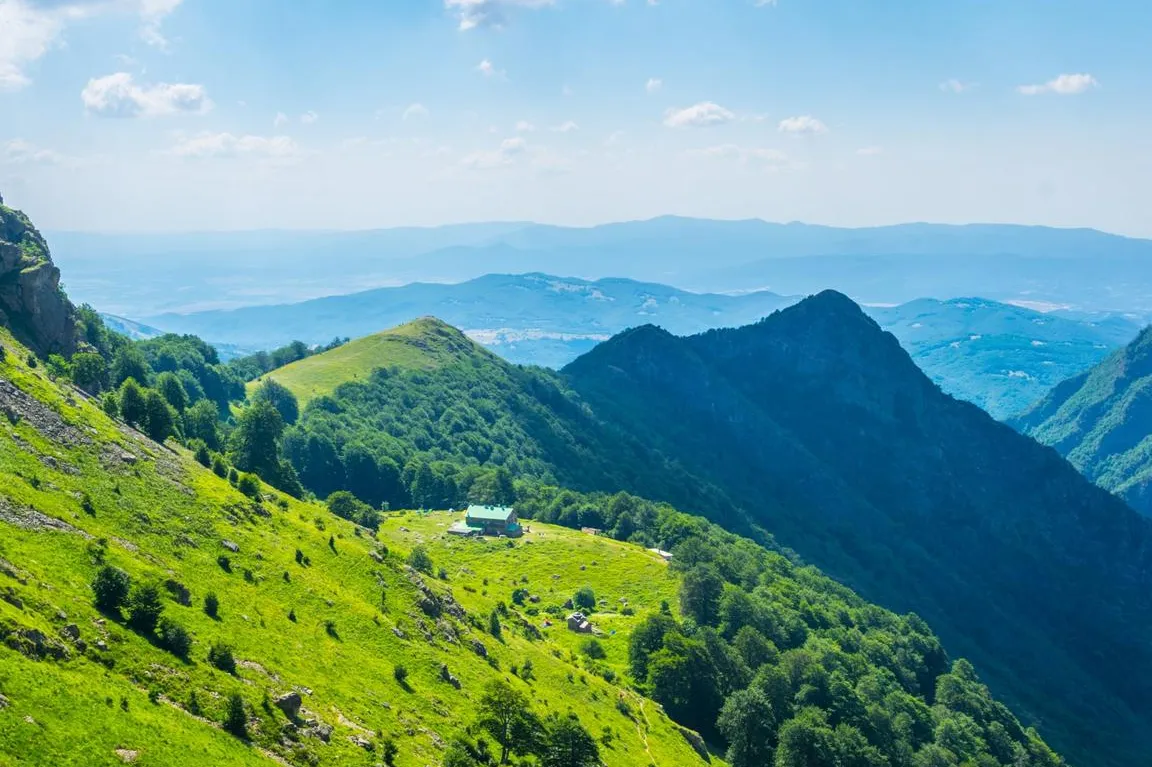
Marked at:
<point>490,513</point>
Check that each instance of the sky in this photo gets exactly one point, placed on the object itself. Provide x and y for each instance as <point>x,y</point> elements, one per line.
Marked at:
<point>180,115</point>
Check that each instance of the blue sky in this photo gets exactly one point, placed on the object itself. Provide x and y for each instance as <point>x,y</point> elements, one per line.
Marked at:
<point>232,114</point>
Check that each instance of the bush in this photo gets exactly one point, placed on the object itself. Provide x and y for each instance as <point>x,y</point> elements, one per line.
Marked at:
<point>420,560</point>
<point>110,589</point>
<point>585,599</point>
<point>593,649</point>
<point>201,454</point>
<point>220,656</point>
<point>249,485</point>
<point>174,638</point>
<point>235,718</point>
<point>211,605</point>
<point>145,607</point>
<point>494,627</point>
<point>389,751</point>
<point>401,674</point>
<point>219,467</point>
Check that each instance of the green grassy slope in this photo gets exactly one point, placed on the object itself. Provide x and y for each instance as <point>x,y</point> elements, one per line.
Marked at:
<point>77,489</point>
<point>1101,421</point>
<point>423,344</point>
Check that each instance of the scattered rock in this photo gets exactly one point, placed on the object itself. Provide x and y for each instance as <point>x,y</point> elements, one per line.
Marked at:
<point>13,572</point>
<point>361,741</point>
<point>479,648</point>
<point>231,546</point>
<point>127,755</point>
<point>568,604</point>
<point>34,644</point>
<point>376,555</point>
<point>71,632</point>
<point>179,592</point>
<point>320,730</point>
<point>398,632</point>
<point>696,742</point>
<point>9,595</point>
<point>101,645</point>
<point>4,703</point>
<point>447,676</point>
<point>534,598</point>
<point>30,519</point>
<point>290,704</point>
<point>21,407</point>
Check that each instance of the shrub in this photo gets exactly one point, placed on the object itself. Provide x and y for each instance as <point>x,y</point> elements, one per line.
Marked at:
<point>235,718</point>
<point>401,674</point>
<point>219,467</point>
<point>519,595</point>
<point>110,589</point>
<point>249,485</point>
<point>220,656</point>
<point>585,598</point>
<point>420,560</point>
<point>211,605</point>
<point>174,638</point>
<point>494,627</point>
<point>593,649</point>
<point>330,629</point>
<point>224,562</point>
<point>201,454</point>
<point>389,751</point>
<point>145,607</point>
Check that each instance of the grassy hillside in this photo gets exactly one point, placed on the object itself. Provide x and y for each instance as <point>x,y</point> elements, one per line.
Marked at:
<point>1101,420</point>
<point>423,344</point>
<point>78,491</point>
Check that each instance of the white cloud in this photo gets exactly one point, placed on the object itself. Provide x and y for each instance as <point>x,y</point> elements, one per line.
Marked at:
<point>956,86</point>
<point>29,29</point>
<point>414,111</point>
<point>870,151</point>
<point>567,126</point>
<point>207,145</point>
<point>309,117</point>
<point>510,149</point>
<point>704,114</point>
<point>279,119</point>
<point>1064,85</point>
<point>117,95</point>
<point>488,13</point>
<point>488,69</point>
<point>21,152</point>
<point>804,125</point>
<point>653,85</point>
<point>524,126</point>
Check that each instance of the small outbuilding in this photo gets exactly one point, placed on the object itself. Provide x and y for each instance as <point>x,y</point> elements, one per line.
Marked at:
<point>579,623</point>
<point>488,520</point>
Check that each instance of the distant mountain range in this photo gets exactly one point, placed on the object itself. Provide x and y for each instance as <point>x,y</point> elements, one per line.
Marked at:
<point>1101,420</point>
<point>1000,356</point>
<point>143,275</point>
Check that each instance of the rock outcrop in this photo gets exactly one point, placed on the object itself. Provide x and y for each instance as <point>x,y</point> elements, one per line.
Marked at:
<point>32,305</point>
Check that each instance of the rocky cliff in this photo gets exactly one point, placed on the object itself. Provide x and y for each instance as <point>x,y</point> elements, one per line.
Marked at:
<point>32,305</point>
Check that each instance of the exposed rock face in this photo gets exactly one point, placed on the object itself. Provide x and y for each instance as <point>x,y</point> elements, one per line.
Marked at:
<point>32,305</point>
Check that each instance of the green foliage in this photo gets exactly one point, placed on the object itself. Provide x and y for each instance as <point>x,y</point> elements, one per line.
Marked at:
<point>172,390</point>
<point>278,396</point>
<point>89,372</point>
<point>211,605</point>
<point>130,363</point>
<point>144,607</point>
<point>592,648</point>
<point>249,485</point>
<point>110,589</point>
<point>347,506</point>
<point>584,598</point>
<point>568,744</point>
<point>235,717</point>
<point>700,595</point>
<point>173,637</point>
<point>159,419</point>
<point>200,422</point>
<point>220,656</point>
<point>132,405</point>
<point>505,714</point>
<point>420,560</point>
<point>255,447</point>
<point>494,627</point>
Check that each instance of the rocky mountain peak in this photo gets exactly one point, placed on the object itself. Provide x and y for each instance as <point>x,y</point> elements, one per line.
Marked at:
<point>32,304</point>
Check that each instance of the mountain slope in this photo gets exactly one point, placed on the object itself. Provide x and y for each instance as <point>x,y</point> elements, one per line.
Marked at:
<point>308,603</point>
<point>821,427</point>
<point>999,356</point>
<point>422,344</point>
<point>815,425</point>
<point>1101,420</point>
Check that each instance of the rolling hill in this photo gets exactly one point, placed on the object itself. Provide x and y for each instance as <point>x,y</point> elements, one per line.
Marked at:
<point>1101,421</point>
<point>815,425</point>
